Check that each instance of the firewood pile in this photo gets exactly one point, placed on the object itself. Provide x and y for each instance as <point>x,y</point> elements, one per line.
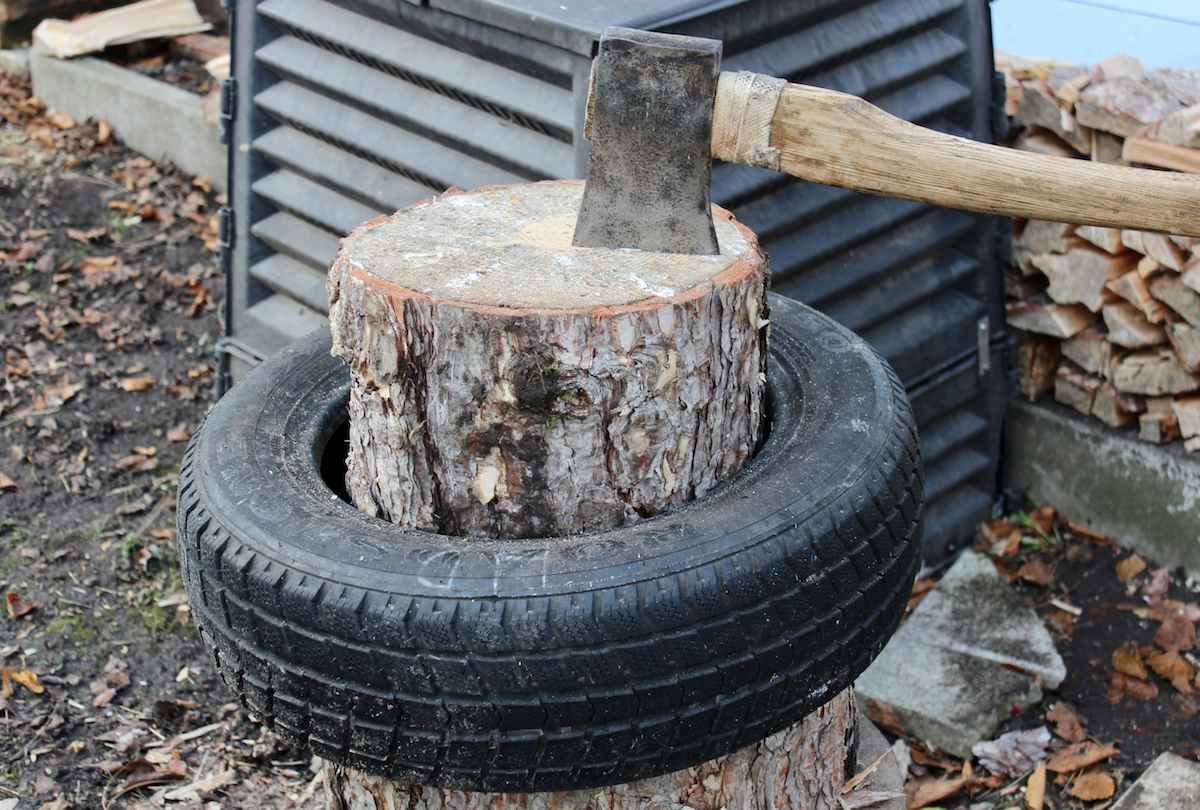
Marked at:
<point>1109,319</point>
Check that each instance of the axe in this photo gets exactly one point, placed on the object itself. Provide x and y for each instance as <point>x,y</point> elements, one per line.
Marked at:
<point>659,110</point>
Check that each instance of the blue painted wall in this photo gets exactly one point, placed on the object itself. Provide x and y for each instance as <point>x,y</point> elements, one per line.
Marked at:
<point>1162,33</point>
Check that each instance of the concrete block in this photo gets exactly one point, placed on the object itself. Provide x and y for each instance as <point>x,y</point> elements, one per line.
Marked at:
<point>15,61</point>
<point>942,672</point>
<point>1170,783</point>
<point>153,117</point>
<point>1146,496</point>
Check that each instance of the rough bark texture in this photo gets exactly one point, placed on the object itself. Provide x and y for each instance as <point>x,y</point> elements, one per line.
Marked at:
<point>507,384</point>
<point>804,767</point>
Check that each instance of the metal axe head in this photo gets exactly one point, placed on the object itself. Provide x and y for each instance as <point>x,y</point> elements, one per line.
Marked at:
<point>650,127</point>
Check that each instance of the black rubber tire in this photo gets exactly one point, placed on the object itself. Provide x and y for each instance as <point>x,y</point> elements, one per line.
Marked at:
<point>561,663</point>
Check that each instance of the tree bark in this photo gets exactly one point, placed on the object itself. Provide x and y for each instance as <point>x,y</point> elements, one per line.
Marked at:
<point>803,767</point>
<point>507,384</point>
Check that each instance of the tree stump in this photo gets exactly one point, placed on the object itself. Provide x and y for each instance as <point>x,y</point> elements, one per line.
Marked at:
<point>507,384</point>
<point>800,768</point>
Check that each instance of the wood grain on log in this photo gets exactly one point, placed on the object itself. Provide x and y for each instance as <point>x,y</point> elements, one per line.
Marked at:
<point>508,384</point>
<point>804,766</point>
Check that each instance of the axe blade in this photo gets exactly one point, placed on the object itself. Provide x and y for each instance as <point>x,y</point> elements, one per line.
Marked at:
<point>650,167</point>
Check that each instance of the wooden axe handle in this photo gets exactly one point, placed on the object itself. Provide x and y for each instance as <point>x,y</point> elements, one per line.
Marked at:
<point>841,140</point>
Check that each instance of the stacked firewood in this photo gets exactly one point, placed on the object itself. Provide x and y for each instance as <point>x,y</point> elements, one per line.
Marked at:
<point>1109,319</point>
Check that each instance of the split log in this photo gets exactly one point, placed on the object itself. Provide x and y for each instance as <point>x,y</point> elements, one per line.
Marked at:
<point>508,384</point>
<point>1048,318</point>
<point>1158,428</point>
<point>1107,148</point>
<point>1187,411</point>
<point>1191,274</point>
<point>1044,236</point>
<point>1153,373</point>
<point>1044,142</point>
<point>1146,267</point>
<point>1080,276</point>
<point>1186,341</point>
<point>1126,105</point>
<point>146,19</point>
<point>1161,155</point>
<point>1132,287</point>
<point>1022,286</point>
<point>802,767</point>
<point>1180,129</point>
<point>1116,408</point>
<point>1040,108</point>
<point>1107,239</point>
<point>1038,359</point>
<point>1178,296</point>
<point>1128,327</point>
<point>1090,350</point>
<point>1075,388</point>
<point>1157,246</point>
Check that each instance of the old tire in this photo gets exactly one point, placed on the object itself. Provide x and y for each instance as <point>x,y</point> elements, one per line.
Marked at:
<point>560,663</point>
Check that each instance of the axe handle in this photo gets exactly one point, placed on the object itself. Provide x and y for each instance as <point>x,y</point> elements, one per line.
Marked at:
<point>841,140</point>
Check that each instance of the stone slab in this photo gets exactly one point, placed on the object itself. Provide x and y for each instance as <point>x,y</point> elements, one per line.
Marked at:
<point>1145,495</point>
<point>153,117</point>
<point>887,776</point>
<point>945,673</point>
<point>1170,783</point>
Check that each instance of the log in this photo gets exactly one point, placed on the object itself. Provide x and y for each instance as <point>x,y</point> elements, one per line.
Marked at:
<point>802,767</point>
<point>508,384</point>
<point>1161,155</point>
<point>1038,359</point>
<point>1153,373</point>
<point>1048,318</point>
<point>1090,350</point>
<point>1133,288</point>
<point>1187,411</point>
<point>146,19</point>
<point>1043,236</point>
<point>1080,276</point>
<point>1075,388</point>
<point>1158,428</point>
<point>1116,408</point>
<point>1040,108</point>
<point>1128,104</point>
<point>1157,246</point>
<point>1178,296</point>
<point>1186,341</point>
<point>1107,239</point>
<point>1128,327</point>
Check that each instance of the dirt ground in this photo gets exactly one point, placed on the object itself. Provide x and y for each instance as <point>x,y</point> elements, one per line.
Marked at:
<point>109,311</point>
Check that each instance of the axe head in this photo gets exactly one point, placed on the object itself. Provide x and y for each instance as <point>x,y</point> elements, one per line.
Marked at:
<point>650,128</point>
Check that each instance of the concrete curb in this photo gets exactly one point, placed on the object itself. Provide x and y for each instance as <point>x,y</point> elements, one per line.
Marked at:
<point>153,117</point>
<point>15,61</point>
<point>1147,496</point>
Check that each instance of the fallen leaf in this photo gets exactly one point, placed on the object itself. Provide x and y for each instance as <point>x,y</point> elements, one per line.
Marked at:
<point>1043,517</point>
<point>1014,753</point>
<point>1063,620</point>
<point>1130,567</point>
<point>134,384</point>
<point>1078,756</point>
<point>1128,661</point>
<point>61,119</point>
<point>1092,787</point>
<point>29,680</point>
<point>885,717</point>
<point>144,451</point>
<point>18,607</point>
<point>179,433</point>
<point>104,698</point>
<point>1036,572</point>
<point>933,757</point>
<point>103,131</point>
<point>163,534</point>
<point>7,484</point>
<point>207,785</point>
<point>136,464</point>
<point>1160,581</point>
<point>1084,533</point>
<point>1035,788</point>
<point>922,792</point>
<point>998,538</point>
<point>1066,723</point>
<point>1177,633</point>
<point>1170,665</point>
<point>86,236</point>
